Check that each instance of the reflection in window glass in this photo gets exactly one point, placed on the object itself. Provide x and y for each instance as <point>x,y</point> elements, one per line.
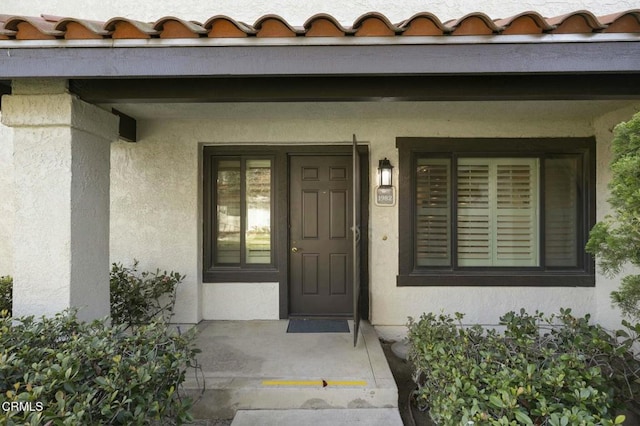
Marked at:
<point>228,212</point>
<point>562,211</point>
<point>433,215</point>
<point>258,212</point>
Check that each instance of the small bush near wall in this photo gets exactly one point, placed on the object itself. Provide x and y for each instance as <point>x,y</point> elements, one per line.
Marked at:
<point>557,370</point>
<point>136,298</point>
<point>616,239</point>
<point>6,294</point>
<point>141,297</point>
<point>63,371</point>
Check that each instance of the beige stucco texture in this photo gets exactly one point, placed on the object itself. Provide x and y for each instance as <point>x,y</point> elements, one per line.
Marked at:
<point>6,200</point>
<point>60,224</point>
<point>156,195</point>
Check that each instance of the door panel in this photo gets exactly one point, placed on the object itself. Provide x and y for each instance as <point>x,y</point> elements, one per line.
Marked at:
<point>310,213</point>
<point>320,257</point>
<point>339,275</point>
<point>310,272</point>
<point>338,214</point>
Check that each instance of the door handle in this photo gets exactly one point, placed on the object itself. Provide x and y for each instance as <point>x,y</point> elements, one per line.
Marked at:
<point>294,249</point>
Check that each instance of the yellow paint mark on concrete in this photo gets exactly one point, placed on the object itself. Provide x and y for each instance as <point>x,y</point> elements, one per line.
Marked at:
<point>314,383</point>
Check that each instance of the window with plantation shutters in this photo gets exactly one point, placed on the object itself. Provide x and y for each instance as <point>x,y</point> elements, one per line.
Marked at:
<point>497,212</point>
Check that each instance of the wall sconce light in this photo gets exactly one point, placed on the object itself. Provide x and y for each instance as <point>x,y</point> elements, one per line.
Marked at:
<point>385,173</point>
<point>385,192</point>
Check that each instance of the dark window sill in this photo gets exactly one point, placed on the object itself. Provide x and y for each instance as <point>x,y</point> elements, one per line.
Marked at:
<point>241,276</point>
<point>514,280</point>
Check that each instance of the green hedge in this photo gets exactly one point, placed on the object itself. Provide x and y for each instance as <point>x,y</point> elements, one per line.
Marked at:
<point>6,294</point>
<point>77,373</point>
<point>138,298</point>
<point>557,370</point>
<point>128,371</point>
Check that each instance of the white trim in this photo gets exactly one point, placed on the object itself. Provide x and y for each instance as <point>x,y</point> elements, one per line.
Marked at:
<point>327,41</point>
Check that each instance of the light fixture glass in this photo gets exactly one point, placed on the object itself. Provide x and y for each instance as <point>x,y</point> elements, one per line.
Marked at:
<point>385,173</point>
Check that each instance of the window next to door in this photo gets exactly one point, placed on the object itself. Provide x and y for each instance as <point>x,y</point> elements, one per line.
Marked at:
<point>496,212</point>
<point>239,215</point>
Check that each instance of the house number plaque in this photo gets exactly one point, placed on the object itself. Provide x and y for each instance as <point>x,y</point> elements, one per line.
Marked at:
<point>385,196</point>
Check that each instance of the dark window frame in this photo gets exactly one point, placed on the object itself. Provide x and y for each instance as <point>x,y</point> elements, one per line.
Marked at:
<point>410,148</point>
<point>271,272</point>
<point>243,159</point>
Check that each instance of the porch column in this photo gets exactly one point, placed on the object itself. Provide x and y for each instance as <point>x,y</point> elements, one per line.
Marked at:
<point>61,235</point>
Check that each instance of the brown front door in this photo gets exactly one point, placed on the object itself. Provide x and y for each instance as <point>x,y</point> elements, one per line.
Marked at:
<point>320,242</point>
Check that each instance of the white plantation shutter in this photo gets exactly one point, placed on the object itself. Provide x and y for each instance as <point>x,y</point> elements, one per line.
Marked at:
<point>497,212</point>
<point>517,212</point>
<point>433,215</point>
<point>474,213</point>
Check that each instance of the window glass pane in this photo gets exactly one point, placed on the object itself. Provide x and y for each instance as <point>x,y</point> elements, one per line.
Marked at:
<point>433,212</point>
<point>258,215</point>
<point>228,212</point>
<point>561,211</point>
<point>497,212</point>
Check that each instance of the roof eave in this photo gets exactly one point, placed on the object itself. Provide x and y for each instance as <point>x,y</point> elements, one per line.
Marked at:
<point>595,53</point>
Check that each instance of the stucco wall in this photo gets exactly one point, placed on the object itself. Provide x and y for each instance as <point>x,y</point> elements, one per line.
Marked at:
<point>61,151</point>
<point>6,200</point>
<point>156,197</point>
<point>297,12</point>
<point>154,207</point>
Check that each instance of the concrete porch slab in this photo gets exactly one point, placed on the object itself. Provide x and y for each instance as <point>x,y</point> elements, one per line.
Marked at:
<point>329,417</point>
<point>256,365</point>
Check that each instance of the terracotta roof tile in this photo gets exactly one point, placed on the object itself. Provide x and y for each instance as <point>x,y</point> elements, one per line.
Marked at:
<point>374,24</point>
<point>129,28</point>
<point>32,28</point>
<point>4,33</point>
<point>222,26</point>
<point>172,27</point>
<point>579,22</point>
<point>274,26</point>
<point>324,25</point>
<point>76,29</point>
<point>623,22</point>
<point>474,24</point>
<point>423,24</point>
<point>524,23</point>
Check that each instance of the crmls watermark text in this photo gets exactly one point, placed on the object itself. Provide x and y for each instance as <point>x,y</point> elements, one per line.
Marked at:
<point>22,406</point>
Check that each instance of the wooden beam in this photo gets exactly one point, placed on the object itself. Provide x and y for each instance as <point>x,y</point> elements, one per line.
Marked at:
<point>5,89</point>
<point>127,128</point>
<point>362,88</point>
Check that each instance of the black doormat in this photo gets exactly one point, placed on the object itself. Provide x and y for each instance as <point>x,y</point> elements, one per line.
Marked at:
<point>304,325</point>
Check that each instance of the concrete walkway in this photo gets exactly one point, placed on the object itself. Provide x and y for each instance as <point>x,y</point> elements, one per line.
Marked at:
<point>257,365</point>
<point>328,417</point>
